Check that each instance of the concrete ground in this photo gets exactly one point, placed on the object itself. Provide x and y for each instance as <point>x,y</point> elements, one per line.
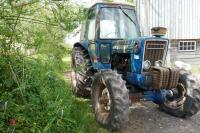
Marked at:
<point>147,118</point>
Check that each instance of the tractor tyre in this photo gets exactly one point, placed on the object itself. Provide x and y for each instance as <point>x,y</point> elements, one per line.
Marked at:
<point>188,103</point>
<point>81,73</point>
<point>110,100</point>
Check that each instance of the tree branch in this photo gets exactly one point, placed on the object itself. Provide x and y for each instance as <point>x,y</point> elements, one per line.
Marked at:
<point>31,2</point>
<point>26,19</point>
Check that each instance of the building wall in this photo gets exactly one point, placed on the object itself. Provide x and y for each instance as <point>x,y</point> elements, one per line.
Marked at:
<point>180,17</point>
<point>192,58</point>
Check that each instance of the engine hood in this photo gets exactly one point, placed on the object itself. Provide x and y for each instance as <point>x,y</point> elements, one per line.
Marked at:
<point>127,45</point>
<point>142,49</point>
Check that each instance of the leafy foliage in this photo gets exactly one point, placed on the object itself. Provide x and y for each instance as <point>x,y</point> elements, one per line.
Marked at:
<point>34,96</point>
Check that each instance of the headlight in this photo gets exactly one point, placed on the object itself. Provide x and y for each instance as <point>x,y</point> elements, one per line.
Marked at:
<point>158,63</point>
<point>146,65</point>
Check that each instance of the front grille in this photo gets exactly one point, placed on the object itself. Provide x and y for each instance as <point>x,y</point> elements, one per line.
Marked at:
<point>164,77</point>
<point>154,50</point>
<point>160,77</point>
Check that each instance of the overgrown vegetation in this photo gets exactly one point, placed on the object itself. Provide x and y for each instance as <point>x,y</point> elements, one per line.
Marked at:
<point>34,96</point>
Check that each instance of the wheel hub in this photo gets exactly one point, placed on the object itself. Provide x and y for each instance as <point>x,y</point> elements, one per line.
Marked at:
<point>103,103</point>
<point>178,102</point>
<point>104,100</point>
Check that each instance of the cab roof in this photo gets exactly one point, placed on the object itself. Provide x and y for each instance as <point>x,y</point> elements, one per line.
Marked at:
<point>108,4</point>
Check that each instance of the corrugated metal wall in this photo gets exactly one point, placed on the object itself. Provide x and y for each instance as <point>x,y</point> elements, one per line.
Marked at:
<point>180,17</point>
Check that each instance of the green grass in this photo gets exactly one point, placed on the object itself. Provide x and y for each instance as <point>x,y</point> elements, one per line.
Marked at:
<point>85,117</point>
<point>67,61</point>
<point>42,101</point>
<point>82,111</point>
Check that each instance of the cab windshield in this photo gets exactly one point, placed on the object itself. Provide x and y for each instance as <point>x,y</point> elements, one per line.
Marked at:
<point>118,23</point>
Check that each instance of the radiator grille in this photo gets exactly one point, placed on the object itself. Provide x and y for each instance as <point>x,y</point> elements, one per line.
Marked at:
<point>154,50</point>
<point>164,77</point>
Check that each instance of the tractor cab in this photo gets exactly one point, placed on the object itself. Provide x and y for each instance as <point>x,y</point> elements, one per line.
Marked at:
<point>106,23</point>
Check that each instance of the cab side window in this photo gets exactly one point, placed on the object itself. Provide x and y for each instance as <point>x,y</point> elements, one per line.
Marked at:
<point>90,27</point>
<point>82,36</point>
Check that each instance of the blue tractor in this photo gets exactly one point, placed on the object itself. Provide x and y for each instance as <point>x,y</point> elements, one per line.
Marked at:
<point>115,66</point>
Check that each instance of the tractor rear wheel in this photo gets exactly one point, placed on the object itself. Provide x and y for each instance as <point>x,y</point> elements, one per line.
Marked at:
<point>110,100</point>
<point>188,102</point>
<point>81,73</point>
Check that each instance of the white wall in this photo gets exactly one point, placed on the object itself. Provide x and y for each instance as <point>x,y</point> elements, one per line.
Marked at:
<point>180,17</point>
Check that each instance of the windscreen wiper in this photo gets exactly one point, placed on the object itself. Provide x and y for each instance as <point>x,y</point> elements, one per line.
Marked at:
<point>124,12</point>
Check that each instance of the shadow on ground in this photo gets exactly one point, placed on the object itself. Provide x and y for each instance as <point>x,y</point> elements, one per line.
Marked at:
<point>147,118</point>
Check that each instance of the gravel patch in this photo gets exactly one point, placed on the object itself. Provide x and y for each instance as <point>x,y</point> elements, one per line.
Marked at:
<point>147,118</point>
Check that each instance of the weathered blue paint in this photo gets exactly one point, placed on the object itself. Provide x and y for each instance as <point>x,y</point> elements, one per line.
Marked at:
<point>135,76</point>
<point>158,96</point>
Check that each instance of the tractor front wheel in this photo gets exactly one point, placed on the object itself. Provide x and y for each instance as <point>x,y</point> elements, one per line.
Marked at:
<point>188,102</point>
<point>110,100</point>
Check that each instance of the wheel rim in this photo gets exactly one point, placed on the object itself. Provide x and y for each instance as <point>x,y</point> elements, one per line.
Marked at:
<point>103,103</point>
<point>105,100</point>
<point>178,103</point>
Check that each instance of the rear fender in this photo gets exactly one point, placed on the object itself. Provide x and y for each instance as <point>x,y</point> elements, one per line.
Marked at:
<point>96,64</point>
<point>84,46</point>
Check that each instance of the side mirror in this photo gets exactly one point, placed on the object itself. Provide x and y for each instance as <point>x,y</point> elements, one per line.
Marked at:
<point>158,31</point>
